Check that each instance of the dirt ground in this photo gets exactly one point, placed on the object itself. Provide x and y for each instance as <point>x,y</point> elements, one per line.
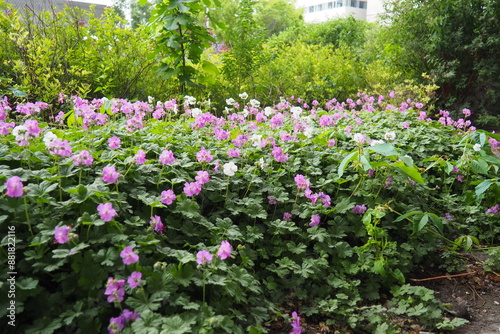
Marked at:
<point>474,296</point>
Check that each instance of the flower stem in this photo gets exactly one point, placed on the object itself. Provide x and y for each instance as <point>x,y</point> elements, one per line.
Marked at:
<point>227,191</point>
<point>60,182</point>
<point>27,215</point>
<point>204,285</point>
<point>118,194</point>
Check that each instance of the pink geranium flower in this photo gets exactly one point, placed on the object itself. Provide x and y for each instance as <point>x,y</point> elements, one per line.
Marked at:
<point>203,256</point>
<point>167,157</point>
<point>14,187</point>
<point>140,157</point>
<point>225,250</point>
<point>315,219</point>
<point>204,155</point>
<point>114,142</point>
<point>134,279</point>
<point>109,174</point>
<point>128,255</point>
<point>168,197</point>
<point>61,234</point>
<point>192,189</point>
<point>106,211</point>
<point>202,177</point>
<point>157,224</point>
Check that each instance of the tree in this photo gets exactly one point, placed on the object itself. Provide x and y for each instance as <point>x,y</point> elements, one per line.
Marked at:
<point>245,40</point>
<point>140,13</point>
<point>181,37</point>
<point>458,43</point>
<point>277,16</point>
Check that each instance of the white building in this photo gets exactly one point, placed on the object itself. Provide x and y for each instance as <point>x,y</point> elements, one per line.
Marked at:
<point>323,10</point>
<point>39,5</point>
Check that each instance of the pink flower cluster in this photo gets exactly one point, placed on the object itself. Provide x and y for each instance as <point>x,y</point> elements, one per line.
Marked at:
<point>31,108</point>
<point>167,157</point>
<point>140,157</point>
<point>359,209</point>
<point>82,158</point>
<point>296,328</point>
<point>117,324</point>
<point>204,155</point>
<point>59,147</point>
<point>223,253</point>
<point>494,210</point>
<point>278,154</point>
<point>157,224</point>
<point>192,188</point>
<point>115,290</point>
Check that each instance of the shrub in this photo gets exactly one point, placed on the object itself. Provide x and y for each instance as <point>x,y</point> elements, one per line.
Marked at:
<point>75,52</point>
<point>169,219</point>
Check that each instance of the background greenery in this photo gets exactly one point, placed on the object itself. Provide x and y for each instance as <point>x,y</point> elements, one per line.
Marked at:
<point>452,45</point>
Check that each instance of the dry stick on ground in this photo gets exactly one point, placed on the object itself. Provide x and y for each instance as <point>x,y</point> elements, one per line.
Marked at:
<point>438,277</point>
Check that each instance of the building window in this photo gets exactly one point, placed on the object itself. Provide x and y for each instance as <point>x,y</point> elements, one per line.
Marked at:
<point>354,3</point>
<point>340,3</point>
<point>319,8</point>
<point>330,5</point>
<point>311,9</point>
<point>362,4</point>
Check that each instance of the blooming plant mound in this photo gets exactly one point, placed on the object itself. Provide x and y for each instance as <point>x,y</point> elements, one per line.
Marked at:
<point>143,218</point>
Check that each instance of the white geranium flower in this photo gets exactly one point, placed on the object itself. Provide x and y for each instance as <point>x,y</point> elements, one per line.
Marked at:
<point>261,163</point>
<point>268,111</point>
<point>359,138</point>
<point>20,132</point>
<point>151,99</point>
<point>376,142</point>
<point>230,101</point>
<point>189,100</point>
<point>296,111</point>
<point>256,140</point>
<point>390,135</point>
<point>229,168</point>
<point>477,147</point>
<point>245,112</point>
<point>196,112</point>
<point>48,138</point>
<point>254,103</point>
<point>243,96</point>
<point>308,132</point>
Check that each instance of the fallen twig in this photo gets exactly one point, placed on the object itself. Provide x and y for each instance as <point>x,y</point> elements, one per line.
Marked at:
<point>438,277</point>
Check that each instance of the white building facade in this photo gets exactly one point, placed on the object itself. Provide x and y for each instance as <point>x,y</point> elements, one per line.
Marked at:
<point>48,5</point>
<point>316,11</point>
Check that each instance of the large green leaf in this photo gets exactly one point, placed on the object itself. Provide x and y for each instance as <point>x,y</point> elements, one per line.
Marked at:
<point>412,172</point>
<point>345,161</point>
<point>384,149</point>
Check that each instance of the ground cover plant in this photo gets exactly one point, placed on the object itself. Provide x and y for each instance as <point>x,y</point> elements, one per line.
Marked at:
<point>161,217</point>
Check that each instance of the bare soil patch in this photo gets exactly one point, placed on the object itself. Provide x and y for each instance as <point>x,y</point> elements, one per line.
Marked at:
<point>474,296</point>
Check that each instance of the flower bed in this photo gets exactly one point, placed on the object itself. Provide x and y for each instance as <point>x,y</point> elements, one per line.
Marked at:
<point>163,218</point>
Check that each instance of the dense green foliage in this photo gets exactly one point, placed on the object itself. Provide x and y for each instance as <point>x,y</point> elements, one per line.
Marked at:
<point>327,208</point>
<point>457,43</point>
<point>74,52</point>
<point>181,39</point>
